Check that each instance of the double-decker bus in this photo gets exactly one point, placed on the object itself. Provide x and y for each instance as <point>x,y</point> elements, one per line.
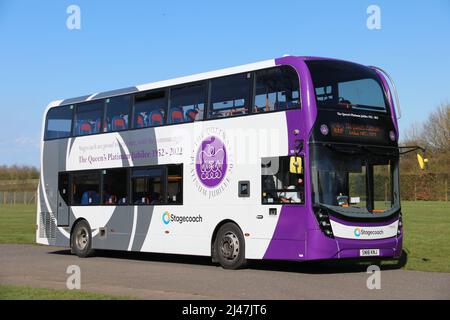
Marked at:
<point>294,158</point>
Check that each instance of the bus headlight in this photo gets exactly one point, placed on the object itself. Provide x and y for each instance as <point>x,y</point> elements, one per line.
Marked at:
<point>400,225</point>
<point>392,135</point>
<point>324,221</point>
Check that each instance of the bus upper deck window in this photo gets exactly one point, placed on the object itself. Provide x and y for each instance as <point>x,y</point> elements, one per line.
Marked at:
<point>117,113</point>
<point>59,122</point>
<point>230,96</point>
<point>149,109</point>
<point>89,118</point>
<point>187,103</point>
<point>276,89</point>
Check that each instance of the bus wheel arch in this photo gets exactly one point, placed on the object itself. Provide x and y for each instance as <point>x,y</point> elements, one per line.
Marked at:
<point>81,238</point>
<point>229,229</point>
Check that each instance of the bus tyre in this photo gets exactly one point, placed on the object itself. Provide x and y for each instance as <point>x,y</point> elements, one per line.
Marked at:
<point>230,247</point>
<point>81,239</point>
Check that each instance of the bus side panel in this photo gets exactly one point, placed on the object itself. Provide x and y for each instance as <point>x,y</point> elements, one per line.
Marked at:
<point>53,161</point>
<point>141,228</point>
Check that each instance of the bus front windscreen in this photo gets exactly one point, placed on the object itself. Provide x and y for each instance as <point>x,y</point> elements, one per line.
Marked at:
<point>354,179</point>
<point>344,85</point>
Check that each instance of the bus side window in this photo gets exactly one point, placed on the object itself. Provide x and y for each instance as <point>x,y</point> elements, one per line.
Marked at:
<point>88,118</point>
<point>149,109</point>
<point>276,89</point>
<point>117,113</point>
<point>187,103</point>
<point>279,185</point>
<point>86,188</point>
<point>115,186</point>
<point>230,96</point>
<point>147,186</point>
<point>59,122</point>
<point>175,184</point>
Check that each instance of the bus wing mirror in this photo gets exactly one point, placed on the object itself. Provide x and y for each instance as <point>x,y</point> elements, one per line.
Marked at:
<point>423,162</point>
<point>296,165</point>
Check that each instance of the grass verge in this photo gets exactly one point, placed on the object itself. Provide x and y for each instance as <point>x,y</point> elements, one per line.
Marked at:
<point>12,292</point>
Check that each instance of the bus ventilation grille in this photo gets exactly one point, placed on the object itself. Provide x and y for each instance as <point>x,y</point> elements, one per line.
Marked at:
<point>47,226</point>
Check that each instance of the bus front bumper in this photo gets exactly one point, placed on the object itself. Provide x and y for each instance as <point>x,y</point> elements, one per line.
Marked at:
<point>319,247</point>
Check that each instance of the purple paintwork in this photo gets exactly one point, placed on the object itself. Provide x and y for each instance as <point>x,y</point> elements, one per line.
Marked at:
<point>297,235</point>
<point>289,238</point>
<point>390,247</point>
<point>391,101</point>
<point>211,162</point>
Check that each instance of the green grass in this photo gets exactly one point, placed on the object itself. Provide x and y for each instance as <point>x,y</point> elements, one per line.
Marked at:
<point>427,235</point>
<point>426,227</point>
<point>17,223</point>
<point>9,292</point>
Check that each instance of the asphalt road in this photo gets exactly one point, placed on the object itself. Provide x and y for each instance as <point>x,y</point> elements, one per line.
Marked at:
<point>154,276</point>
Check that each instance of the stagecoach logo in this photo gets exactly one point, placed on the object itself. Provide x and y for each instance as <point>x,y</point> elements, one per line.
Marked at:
<point>168,217</point>
<point>359,231</point>
<point>211,163</point>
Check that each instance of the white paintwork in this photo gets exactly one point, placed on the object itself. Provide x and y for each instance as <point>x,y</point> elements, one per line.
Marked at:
<point>263,135</point>
<point>208,75</point>
<point>133,230</point>
<point>257,136</point>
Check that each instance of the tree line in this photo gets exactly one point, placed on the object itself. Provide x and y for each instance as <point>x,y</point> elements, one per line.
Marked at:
<point>433,134</point>
<point>16,172</point>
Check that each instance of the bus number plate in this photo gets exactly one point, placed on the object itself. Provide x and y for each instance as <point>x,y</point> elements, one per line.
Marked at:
<point>369,252</point>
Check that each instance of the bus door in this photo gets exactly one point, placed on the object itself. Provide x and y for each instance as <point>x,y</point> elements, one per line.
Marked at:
<point>63,210</point>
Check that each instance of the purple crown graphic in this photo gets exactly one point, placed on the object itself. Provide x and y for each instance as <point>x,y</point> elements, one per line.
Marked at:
<point>211,161</point>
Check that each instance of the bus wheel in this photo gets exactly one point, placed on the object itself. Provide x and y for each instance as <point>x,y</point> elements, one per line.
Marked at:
<point>230,247</point>
<point>81,239</point>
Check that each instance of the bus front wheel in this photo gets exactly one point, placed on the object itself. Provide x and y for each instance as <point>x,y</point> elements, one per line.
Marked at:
<point>81,239</point>
<point>230,247</point>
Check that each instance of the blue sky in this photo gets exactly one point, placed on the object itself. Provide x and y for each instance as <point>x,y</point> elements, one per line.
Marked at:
<point>124,43</point>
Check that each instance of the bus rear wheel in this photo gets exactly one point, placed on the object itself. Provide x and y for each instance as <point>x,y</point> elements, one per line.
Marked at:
<point>81,239</point>
<point>229,247</point>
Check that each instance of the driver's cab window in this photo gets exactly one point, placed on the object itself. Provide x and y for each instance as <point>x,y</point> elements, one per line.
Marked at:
<point>279,184</point>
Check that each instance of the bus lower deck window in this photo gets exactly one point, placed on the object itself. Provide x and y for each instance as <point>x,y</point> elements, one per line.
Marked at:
<point>279,185</point>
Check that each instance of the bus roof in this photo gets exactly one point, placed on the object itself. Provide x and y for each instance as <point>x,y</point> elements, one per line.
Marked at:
<point>176,81</point>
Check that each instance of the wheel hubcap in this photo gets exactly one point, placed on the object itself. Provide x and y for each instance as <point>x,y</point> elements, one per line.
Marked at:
<point>229,247</point>
<point>82,238</point>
